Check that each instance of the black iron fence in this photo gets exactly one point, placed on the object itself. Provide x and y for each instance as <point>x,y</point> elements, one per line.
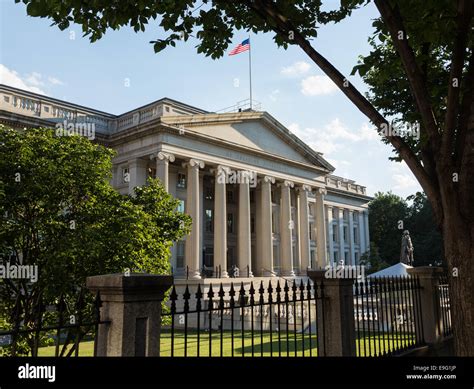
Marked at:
<point>444,307</point>
<point>387,315</point>
<point>276,318</point>
<point>38,328</point>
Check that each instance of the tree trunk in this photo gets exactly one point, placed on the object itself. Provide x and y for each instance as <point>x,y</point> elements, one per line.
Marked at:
<point>458,235</point>
<point>459,253</point>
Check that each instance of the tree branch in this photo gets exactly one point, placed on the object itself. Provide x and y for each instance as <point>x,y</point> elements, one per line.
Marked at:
<point>393,21</point>
<point>269,12</point>
<point>464,17</point>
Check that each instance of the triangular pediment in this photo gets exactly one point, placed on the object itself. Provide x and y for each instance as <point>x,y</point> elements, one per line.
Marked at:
<point>254,131</point>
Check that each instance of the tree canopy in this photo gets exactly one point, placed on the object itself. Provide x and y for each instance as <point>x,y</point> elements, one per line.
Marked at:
<point>390,215</point>
<point>60,213</point>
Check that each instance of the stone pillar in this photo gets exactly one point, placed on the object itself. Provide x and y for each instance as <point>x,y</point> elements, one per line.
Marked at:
<point>193,240</point>
<point>330,235</point>
<point>320,222</point>
<point>366,225</point>
<point>131,306</point>
<point>335,316</point>
<point>162,167</point>
<point>362,248</point>
<point>303,238</point>
<point>351,237</point>
<point>265,236</point>
<point>286,230</point>
<point>244,252</point>
<point>342,243</point>
<point>220,220</point>
<point>138,174</point>
<point>431,320</point>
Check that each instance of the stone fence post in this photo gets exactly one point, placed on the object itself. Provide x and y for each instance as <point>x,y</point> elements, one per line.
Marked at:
<point>429,296</point>
<point>336,333</point>
<point>131,306</point>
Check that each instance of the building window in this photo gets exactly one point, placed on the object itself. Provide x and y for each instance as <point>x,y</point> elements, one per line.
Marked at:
<point>356,236</point>
<point>311,209</point>
<point>334,233</point>
<point>312,264</point>
<point>252,224</point>
<point>346,257</point>
<point>311,231</point>
<point>209,257</point>
<point>356,258</point>
<point>209,222</point>
<point>180,254</point>
<point>231,264</point>
<point>46,109</point>
<point>151,172</point>
<point>344,229</point>
<point>209,193</point>
<point>334,213</point>
<point>181,182</point>
<point>252,196</point>
<point>345,214</point>
<point>273,195</point>
<point>355,216</point>
<point>125,175</point>
<point>230,223</point>
<point>6,98</point>
<point>336,255</point>
<point>181,206</point>
<point>230,196</point>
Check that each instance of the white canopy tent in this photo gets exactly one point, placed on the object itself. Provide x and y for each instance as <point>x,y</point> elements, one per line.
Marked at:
<point>399,269</point>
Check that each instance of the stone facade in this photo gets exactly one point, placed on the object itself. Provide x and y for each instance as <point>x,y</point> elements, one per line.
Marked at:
<point>263,203</point>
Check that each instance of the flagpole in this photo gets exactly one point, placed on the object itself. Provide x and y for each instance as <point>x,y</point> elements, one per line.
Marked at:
<point>250,71</point>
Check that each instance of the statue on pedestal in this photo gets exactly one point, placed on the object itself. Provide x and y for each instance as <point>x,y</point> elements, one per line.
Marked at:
<point>406,254</point>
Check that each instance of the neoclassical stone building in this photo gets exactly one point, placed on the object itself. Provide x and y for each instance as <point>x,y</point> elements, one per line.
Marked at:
<point>263,203</point>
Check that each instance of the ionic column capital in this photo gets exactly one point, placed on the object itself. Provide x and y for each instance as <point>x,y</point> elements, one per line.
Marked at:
<point>221,170</point>
<point>304,188</point>
<point>287,184</point>
<point>162,156</point>
<point>321,191</point>
<point>268,179</point>
<point>195,163</point>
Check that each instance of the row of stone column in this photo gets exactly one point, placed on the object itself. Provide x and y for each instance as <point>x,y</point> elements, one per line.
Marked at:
<point>363,231</point>
<point>264,241</point>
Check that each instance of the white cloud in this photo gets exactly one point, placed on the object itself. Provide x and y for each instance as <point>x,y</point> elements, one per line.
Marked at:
<point>404,181</point>
<point>33,82</point>
<point>334,136</point>
<point>317,85</point>
<point>55,81</point>
<point>274,95</point>
<point>34,79</point>
<point>12,78</point>
<point>297,69</point>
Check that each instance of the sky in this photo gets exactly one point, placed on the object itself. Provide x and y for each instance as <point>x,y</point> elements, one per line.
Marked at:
<point>121,72</point>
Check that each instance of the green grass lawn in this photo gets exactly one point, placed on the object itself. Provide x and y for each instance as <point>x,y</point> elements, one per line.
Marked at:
<point>269,346</point>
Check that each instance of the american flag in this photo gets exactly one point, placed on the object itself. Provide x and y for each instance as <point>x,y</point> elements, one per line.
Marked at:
<point>244,46</point>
